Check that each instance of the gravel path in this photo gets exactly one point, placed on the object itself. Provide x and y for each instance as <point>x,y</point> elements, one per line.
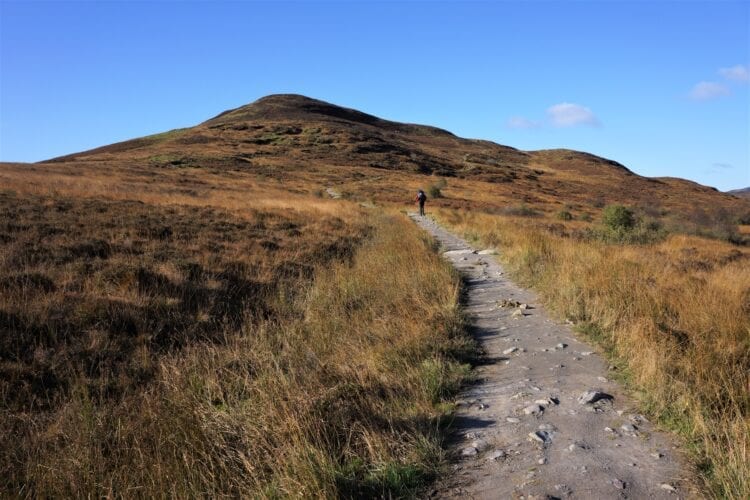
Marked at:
<point>544,420</point>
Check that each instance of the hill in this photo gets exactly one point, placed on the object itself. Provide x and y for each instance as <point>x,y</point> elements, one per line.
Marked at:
<point>201,296</point>
<point>742,193</point>
<point>295,138</point>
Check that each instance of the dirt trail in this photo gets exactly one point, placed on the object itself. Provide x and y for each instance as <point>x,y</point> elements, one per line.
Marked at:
<point>544,420</point>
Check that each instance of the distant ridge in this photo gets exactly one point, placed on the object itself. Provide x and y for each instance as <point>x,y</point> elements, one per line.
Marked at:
<point>742,193</point>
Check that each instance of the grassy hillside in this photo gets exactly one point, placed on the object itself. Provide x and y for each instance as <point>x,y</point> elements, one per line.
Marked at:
<point>306,141</point>
<point>183,350</point>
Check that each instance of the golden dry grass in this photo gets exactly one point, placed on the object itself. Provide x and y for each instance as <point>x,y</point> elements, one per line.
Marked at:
<point>236,340</point>
<point>190,314</point>
<point>677,313</point>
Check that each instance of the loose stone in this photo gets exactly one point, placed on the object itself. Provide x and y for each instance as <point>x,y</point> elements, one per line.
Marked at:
<point>513,420</point>
<point>540,436</point>
<point>469,451</point>
<point>533,410</point>
<point>618,484</point>
<point>591,397</point>
<point>510,350</point>
<point>480,445</point>
<point>496,455</point>
<point>508,303</point>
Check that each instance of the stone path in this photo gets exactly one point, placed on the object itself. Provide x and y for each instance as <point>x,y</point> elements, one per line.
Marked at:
<point>544,420</point>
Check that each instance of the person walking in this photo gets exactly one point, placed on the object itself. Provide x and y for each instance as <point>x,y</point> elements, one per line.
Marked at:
<point>421,198</point>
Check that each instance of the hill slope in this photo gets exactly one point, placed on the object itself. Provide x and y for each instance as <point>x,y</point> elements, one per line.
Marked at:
<point>289,136</point>
<point>742,193</point>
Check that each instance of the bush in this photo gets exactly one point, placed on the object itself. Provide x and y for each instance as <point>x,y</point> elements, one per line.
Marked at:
<point>618,217</point>
<point>564,215</point>
<point>521,210</point>
<point>434,191</point>
<point>619,225</point>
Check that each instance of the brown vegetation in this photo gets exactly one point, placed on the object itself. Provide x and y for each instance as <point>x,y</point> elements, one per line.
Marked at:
<point>188,350</point>
<point>190,314</point>
<point>675,313</point>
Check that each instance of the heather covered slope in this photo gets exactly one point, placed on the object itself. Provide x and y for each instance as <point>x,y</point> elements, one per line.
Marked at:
<point>291,137</point>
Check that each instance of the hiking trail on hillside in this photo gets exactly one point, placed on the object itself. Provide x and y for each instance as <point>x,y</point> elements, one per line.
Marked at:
<point>543,419</point>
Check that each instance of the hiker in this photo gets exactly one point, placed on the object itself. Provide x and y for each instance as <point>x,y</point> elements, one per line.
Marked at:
<point>421,198</point>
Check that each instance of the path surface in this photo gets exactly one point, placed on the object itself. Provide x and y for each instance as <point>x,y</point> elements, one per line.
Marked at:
<point>525,429</point>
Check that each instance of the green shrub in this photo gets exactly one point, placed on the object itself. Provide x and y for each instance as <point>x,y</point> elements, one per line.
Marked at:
<point>618,217</point>
<point>564,215</point>
<point>434,191</point>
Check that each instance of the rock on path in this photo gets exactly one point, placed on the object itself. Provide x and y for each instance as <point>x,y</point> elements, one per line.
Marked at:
<point>551,425</point>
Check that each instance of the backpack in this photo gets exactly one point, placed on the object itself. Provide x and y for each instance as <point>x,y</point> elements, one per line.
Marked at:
<point>421,196</point>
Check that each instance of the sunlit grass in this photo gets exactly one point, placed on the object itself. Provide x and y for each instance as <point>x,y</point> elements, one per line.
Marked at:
<point>677,314</point>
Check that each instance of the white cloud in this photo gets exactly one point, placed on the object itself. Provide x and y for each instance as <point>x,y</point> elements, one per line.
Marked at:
<point>704,91</point>
<point>738,73</point>
<point>521,122</point>
<point>569,115</point>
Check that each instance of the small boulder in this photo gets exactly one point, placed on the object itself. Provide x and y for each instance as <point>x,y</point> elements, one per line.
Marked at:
<point>591,397</point>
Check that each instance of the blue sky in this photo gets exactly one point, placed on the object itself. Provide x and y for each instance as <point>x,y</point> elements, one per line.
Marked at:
<point>661,87</point>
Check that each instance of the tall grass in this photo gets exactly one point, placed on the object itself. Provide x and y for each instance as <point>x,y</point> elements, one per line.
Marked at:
<point>277,355</point>
<point>676,313</point>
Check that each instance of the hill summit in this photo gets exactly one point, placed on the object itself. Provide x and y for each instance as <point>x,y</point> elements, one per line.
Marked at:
<point>285,135</point>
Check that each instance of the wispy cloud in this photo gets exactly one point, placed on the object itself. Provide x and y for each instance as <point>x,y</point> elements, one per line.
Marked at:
<point>521,122</point>
<point>738,73</point>
<point>723,166</point>
<point>704,91</point>
<point>568,114</point>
